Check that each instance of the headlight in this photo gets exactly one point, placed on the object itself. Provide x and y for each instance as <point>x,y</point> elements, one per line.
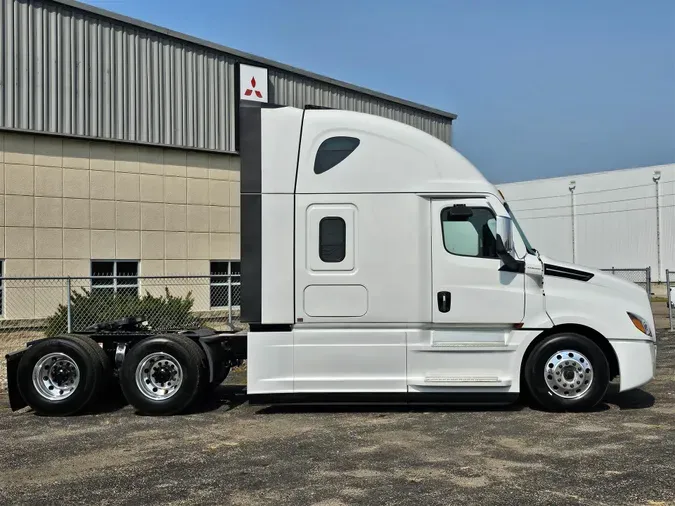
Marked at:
<point>641,324</point>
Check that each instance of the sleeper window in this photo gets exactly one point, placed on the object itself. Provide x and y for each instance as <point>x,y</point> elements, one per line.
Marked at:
<point>332,151</point>
<point>332,239</point>
<point>469,231</point>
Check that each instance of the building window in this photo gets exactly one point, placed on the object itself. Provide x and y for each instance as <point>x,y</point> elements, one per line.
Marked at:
<point>332,151</point>
<point>114,277</point>
<point>225,284</point>
<point>332,239</point>
<point>469,231</point>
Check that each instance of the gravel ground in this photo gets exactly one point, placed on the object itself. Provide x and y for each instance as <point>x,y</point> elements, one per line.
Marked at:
<point>623,452</point>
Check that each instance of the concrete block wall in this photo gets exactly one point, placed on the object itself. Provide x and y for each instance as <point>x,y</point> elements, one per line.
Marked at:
<point>65,202</point>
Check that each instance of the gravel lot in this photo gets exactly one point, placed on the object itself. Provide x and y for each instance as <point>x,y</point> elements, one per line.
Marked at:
<point>234,453</point>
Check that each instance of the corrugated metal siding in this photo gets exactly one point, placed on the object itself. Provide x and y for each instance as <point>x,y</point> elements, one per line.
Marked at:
<point>67,72</point>
<point>71,72</point>
<point>298,91</point>
<point>615,214</point>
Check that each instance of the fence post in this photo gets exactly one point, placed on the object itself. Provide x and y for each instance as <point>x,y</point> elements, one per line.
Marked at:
<point>669,299</point>
<point>70,316</point>
<point>229,300</point>
<point>649,281</point>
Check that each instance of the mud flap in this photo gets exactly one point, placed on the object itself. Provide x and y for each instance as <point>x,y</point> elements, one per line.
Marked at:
<point>16,401</point>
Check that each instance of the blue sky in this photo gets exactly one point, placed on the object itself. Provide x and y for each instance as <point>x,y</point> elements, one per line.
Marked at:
<point>541,88</point>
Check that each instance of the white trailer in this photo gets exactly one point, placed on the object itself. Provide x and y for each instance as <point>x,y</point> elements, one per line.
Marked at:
<point>375,259</point>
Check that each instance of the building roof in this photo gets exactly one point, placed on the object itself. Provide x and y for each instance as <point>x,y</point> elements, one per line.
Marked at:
<point>247,57</point>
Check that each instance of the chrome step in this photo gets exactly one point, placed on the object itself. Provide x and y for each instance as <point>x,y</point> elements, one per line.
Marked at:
<point>464,346</point>
<point>467,381</point>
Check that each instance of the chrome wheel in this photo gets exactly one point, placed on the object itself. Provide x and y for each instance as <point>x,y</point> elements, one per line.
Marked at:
<point>56,376</point>
<point>159,376</point>
<point>568,374</point>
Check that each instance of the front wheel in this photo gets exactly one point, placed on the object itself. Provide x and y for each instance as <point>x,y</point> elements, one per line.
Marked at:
<point>567,372</point>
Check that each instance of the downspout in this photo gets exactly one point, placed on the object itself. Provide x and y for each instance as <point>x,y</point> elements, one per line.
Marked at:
<point>572,187</point>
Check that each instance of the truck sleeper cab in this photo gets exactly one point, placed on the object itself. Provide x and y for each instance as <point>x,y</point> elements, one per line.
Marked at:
<point>375,258</point>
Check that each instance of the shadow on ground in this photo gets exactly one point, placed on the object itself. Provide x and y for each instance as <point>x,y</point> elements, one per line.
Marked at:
<point>228,397</point>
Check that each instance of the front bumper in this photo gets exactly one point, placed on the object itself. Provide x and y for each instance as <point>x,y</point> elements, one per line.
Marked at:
<point>637,362</point>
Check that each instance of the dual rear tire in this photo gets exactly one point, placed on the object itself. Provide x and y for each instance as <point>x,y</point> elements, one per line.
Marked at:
<point>64,375</point>
<point>164,375</point>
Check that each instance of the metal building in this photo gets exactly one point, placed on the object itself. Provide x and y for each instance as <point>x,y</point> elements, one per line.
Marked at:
<point>117,141</point>
<point>73,69</point>
<point>620,218</point>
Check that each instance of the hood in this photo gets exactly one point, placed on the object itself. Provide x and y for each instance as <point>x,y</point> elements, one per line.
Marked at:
<point>592,276</point>
<point>596,295</point>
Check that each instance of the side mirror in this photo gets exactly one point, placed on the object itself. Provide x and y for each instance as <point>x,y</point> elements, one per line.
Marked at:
<point>504,235</point>
<point>505,248</point>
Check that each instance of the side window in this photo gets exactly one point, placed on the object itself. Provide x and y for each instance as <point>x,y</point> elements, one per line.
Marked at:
<point>469,231</point>
<point>332,151</point>
<point>332,239</point>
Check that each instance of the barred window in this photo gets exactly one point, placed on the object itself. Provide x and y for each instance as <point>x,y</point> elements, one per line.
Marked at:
<point>225,284</point>
<point>115,277</point>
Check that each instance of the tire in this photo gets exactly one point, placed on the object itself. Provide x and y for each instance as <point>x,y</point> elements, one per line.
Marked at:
<point>71,364</point>
<point>567,372</point>
<point>164,375</point>
<point>100,356</point>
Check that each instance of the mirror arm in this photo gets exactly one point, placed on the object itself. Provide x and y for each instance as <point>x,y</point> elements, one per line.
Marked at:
<point>511,264</point>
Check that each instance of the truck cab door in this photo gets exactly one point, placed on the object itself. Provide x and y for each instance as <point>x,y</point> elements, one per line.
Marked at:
<point>469,289</point>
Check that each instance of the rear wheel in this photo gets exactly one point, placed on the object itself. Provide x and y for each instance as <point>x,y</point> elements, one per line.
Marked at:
<point>59,376</point>
<point>163,375</point>
<point>100,356</point>
<point>97,352</point>
<point>567,372</point>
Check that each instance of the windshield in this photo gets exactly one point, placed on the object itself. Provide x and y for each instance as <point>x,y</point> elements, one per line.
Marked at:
<point>528,246</point>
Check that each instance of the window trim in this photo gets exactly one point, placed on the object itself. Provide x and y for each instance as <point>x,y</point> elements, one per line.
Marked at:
<point>228,282</point>
<point>115,285</point>
<point>344,239</point>
<point>496,257</point>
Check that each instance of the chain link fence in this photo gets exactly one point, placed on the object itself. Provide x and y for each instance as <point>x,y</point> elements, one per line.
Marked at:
<point>36,307</point>
<point>641,277</point>
<point>670,294</point>
<point>42,306</point>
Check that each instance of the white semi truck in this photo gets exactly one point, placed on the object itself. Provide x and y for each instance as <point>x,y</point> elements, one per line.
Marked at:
<point>375,259</point>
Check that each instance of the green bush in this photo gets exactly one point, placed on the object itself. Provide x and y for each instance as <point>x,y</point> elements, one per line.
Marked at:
<point>162,312</point>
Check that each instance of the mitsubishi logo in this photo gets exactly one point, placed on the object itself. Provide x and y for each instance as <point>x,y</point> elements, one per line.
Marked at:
<point>251,90</point>
<point>253,82</point>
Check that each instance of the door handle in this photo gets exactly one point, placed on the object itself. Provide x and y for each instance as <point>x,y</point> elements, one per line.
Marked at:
<point>444,302</point>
